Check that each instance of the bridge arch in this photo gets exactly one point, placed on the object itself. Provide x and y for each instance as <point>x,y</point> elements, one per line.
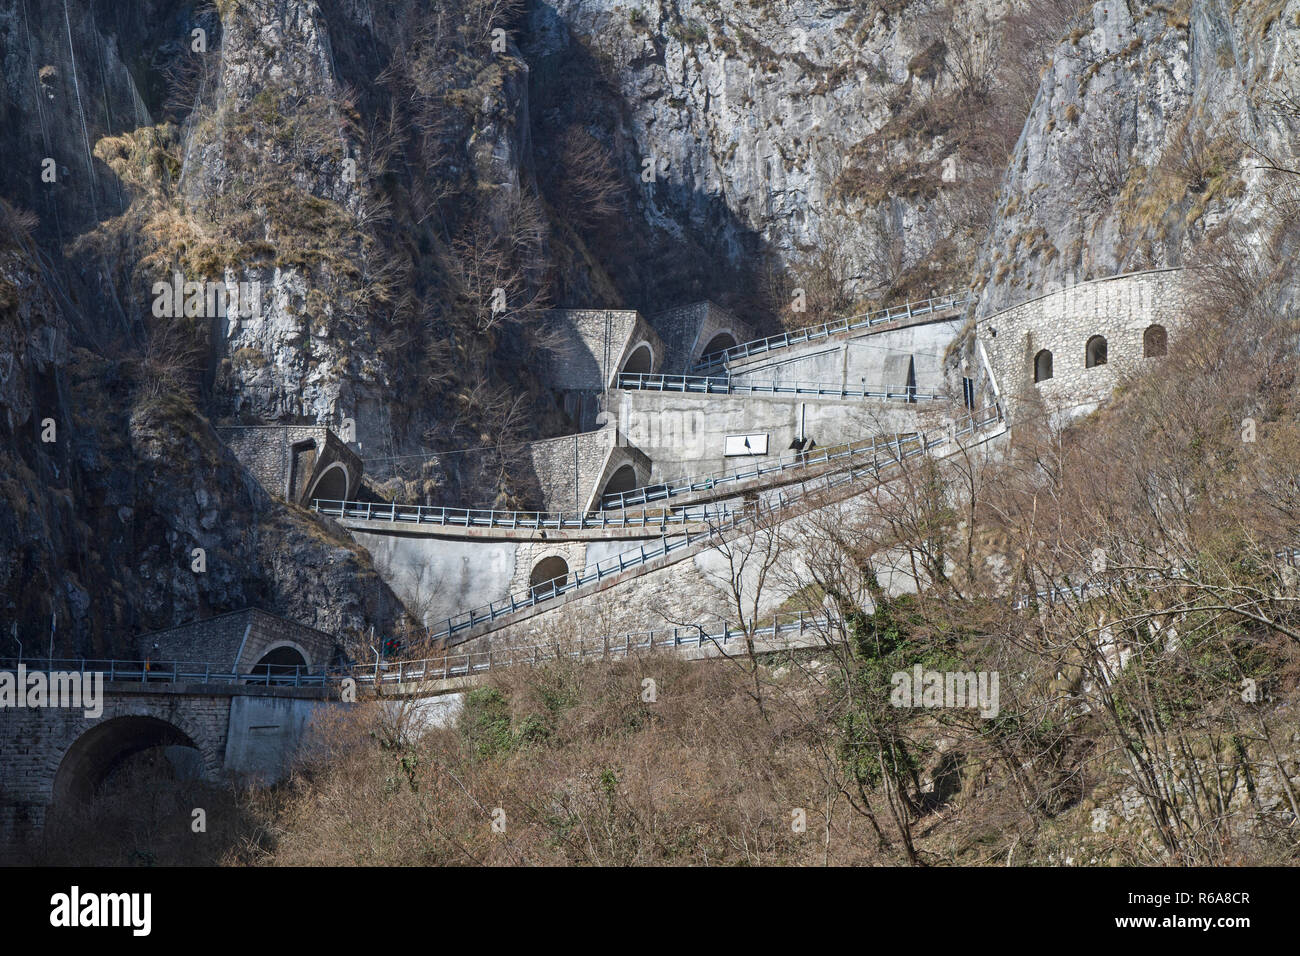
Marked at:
<point>95,754</point>
<point>332,484</point>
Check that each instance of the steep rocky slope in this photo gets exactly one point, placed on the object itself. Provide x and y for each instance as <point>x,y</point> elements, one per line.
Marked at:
<point>851,149</point>
<point>111,482</point>
<point>381,170</point>
<point>1151,134</point>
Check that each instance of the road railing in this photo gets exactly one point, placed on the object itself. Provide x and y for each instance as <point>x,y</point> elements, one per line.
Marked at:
<point>724,385</point>
<point>688,484</point>
<point>893,454</point>
<point>898,313</point>
<point>471,518</point>
<point>450,664</point>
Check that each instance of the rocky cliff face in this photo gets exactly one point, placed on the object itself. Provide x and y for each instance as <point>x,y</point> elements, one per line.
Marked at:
<point>379,172</point>
<point>828,146</point>
<point>123,511</point>
<point>1148,138</point>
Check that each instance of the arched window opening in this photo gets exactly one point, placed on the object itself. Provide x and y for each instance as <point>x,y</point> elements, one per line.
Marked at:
<point>1042,366</point>
<point>640,362</point>
<point>548,575</point>
<point>1155,341</point>
<point>1095,352</point>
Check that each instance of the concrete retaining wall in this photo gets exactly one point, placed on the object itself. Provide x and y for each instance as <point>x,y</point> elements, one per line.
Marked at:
<point>684,434</point>
<point>873,358</point>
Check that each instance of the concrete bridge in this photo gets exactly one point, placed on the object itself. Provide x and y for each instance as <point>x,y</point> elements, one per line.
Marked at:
<point>793,390</point>
<point>786,399</point>
<point>236,703</point>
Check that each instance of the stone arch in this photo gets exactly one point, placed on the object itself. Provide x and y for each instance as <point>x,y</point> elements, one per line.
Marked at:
<point>723,340</point>
<point>1043,366</point>
<point>332,484</point>
<point>97,752</point>
<point>623,479</point>
<point>542,580</point>
<point>1094,352</point>
<point>1155,341</point>
<point>281,658</point>
<point>641,361</point>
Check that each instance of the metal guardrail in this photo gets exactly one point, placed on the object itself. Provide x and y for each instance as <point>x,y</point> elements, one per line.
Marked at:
<point>444,666</point>
<point>618,563</point>
<point>170,672</point>
<point>526,520</point>
<point>687,484</point>
<point>834,327</point>
<point>1058,592</point>
<point>559,520</point>
<point>723,385</point>
<point>622,645</point>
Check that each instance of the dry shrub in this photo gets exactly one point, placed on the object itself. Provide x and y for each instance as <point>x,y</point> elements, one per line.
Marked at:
<point>587,185</point>
<point>584,769</point>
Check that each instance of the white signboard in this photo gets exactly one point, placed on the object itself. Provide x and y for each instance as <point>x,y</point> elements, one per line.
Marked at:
<point>745,445</point>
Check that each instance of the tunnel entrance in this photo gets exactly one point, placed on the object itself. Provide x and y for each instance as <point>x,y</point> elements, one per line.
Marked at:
<point>280,660</point>
<point>640,362</point>
<point>333,485</point>
<point>721,341</point>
